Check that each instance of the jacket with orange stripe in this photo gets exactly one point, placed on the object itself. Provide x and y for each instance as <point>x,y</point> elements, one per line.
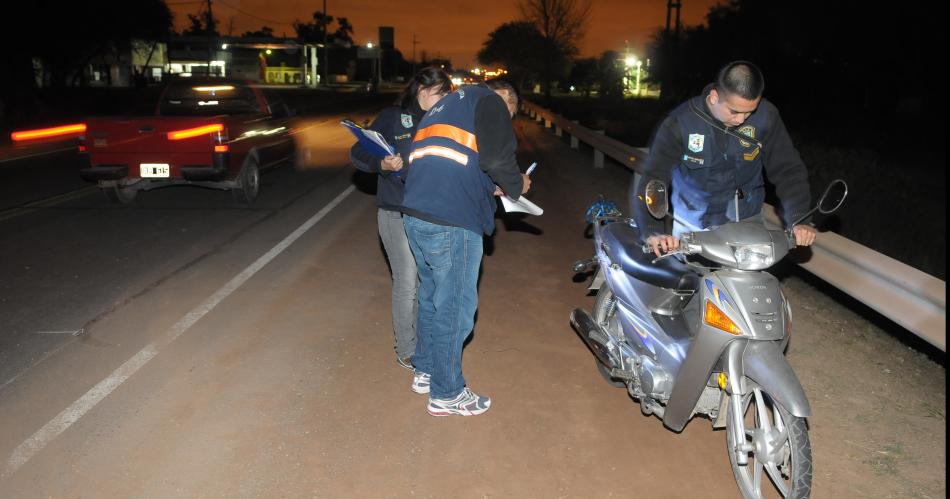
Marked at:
<point>463,147</point>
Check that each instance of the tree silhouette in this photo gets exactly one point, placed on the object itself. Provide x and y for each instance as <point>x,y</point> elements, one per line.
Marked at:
<point>584,75</point>
<point>561,24</point>
<point>344,30</point>
<point>264,32</point>
<point>313,32</point>
<point>866,63</point>
<point>519,47</point>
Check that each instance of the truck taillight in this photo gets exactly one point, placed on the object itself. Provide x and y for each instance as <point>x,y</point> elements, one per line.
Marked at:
<point>82,148</point>
<point>42,133</point>
<point>221,148</point>
<point>195,132</point>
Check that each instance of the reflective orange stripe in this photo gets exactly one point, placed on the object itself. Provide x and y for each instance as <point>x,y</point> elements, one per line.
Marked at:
<point>449,132</point>
<point>444,152</point>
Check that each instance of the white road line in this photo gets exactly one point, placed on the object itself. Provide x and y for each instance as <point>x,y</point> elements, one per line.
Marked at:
<point>29,448</point>
<point>44,203</point>
<point>75,332</point>
<point>33,155</point>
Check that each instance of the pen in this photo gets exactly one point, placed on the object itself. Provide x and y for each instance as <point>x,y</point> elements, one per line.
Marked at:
<point>531,168</point>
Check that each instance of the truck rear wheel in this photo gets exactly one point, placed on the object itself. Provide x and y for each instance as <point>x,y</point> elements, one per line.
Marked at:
<point>249,182</point>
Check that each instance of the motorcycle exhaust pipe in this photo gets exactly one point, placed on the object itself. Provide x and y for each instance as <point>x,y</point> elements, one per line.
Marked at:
<point>593,335</point>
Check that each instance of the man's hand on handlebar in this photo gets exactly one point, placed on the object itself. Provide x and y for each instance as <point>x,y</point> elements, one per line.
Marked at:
<point>663,243</point>
<point>805,235</point>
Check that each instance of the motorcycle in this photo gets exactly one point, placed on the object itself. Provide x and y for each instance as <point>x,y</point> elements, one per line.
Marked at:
<point>704,333</point>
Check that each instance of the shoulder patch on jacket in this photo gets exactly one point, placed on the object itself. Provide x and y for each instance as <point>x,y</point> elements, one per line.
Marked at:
<point>695,142</point>
<point>406,120</point>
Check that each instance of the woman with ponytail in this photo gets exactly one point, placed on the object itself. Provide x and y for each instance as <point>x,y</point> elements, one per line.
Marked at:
<point>397,124</point>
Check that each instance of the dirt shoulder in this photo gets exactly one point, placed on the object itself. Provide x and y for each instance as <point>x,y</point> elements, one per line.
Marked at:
<point>879,423</point>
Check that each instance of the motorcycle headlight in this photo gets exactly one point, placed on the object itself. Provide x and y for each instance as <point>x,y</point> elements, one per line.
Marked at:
<point>754,256</point>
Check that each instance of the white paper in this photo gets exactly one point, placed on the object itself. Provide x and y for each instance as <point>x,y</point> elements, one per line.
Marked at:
<point>522,205</point>
<point>377,138</point>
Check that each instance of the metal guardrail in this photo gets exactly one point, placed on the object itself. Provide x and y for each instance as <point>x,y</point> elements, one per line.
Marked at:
<point>911,298</point>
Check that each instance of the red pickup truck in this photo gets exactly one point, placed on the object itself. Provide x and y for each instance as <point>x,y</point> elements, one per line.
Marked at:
<point>216,133</point>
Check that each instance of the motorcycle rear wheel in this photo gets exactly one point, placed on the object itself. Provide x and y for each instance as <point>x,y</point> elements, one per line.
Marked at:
<point>781,450</point>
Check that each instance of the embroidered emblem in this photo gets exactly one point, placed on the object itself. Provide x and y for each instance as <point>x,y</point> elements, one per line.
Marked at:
<point>435,109</point>
<point>403,136</point>
<point>747,130</point>
<point>407,120</point>
<point>695,142</point>
<point>461,94</point>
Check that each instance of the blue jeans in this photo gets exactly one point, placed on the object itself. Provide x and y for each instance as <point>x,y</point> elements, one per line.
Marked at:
<point>447,259</point>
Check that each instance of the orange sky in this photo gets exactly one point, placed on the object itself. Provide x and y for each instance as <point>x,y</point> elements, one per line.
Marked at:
<point>453,29</point>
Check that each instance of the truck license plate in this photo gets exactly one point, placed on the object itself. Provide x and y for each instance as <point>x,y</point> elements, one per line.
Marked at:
<point>153,170</point>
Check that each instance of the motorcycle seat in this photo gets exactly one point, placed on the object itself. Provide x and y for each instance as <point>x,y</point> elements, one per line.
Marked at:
<point>623,246</point>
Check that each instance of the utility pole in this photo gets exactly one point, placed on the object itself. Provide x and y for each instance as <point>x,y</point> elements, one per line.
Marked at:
<point>670,5</point>
<point>414,43</point>
<point>210,37</point>
<point>326,48</point>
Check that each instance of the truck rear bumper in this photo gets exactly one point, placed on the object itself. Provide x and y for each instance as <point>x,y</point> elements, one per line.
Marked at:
<point>217,171</point>
<point>104,172</point>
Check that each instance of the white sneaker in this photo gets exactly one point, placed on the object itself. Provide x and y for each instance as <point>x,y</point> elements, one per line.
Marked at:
<point>420,382</point>
<point>466,403</point>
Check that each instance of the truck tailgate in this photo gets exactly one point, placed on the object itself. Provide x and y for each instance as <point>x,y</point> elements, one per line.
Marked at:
<point>149,136</point>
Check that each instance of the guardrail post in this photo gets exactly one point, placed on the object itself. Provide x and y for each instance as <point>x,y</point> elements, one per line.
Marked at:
<point>547,123</point>
<point>538,118</point>
<point>558,131</point>
<point>599,155</point>
<point>574,142</point>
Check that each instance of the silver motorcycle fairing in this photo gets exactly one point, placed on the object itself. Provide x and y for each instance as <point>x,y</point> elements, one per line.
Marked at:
<point>753,300</point>
<point>755,296</point>
<point>765,364</point>
<point>639,326</point>
<point>703,354</point>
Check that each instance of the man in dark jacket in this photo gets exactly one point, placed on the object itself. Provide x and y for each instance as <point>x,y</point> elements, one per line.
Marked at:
<point>463,155</point>
<point>712,150</point>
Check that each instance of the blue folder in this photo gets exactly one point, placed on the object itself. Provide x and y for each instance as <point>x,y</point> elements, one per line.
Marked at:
<point>371,140</point>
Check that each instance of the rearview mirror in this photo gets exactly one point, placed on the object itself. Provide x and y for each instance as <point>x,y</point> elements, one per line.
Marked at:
<point>656,198</point>
<point>829,201</point>
<point>833,197</point>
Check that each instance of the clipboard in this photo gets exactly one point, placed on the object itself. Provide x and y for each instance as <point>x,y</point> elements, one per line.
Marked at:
<point>371,140</point>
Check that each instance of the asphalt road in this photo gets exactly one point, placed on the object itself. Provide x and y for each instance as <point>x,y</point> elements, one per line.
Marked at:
<point>188,346</point>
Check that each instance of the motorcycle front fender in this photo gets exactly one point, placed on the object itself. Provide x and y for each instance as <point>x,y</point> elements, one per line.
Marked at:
<point>764,363</point>
<point>702,356</point>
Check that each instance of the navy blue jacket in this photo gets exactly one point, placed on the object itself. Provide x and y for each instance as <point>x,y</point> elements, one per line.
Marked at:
<point>705,167</point>
<point>398,126</point>
<point>465,145</point>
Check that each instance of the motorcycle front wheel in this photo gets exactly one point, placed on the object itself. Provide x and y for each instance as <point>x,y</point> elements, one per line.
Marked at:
<point>780,450</point>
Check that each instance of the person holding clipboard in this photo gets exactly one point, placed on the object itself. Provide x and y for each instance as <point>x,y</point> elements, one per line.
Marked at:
<point>397,124</point>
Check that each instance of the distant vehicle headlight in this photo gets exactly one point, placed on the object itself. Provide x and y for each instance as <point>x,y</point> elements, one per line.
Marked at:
<point>753,256</point>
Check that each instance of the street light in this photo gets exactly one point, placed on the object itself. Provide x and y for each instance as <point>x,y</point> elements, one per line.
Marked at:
<point>639,64</point>
<point>369,45</point>
<point>630,62</point>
